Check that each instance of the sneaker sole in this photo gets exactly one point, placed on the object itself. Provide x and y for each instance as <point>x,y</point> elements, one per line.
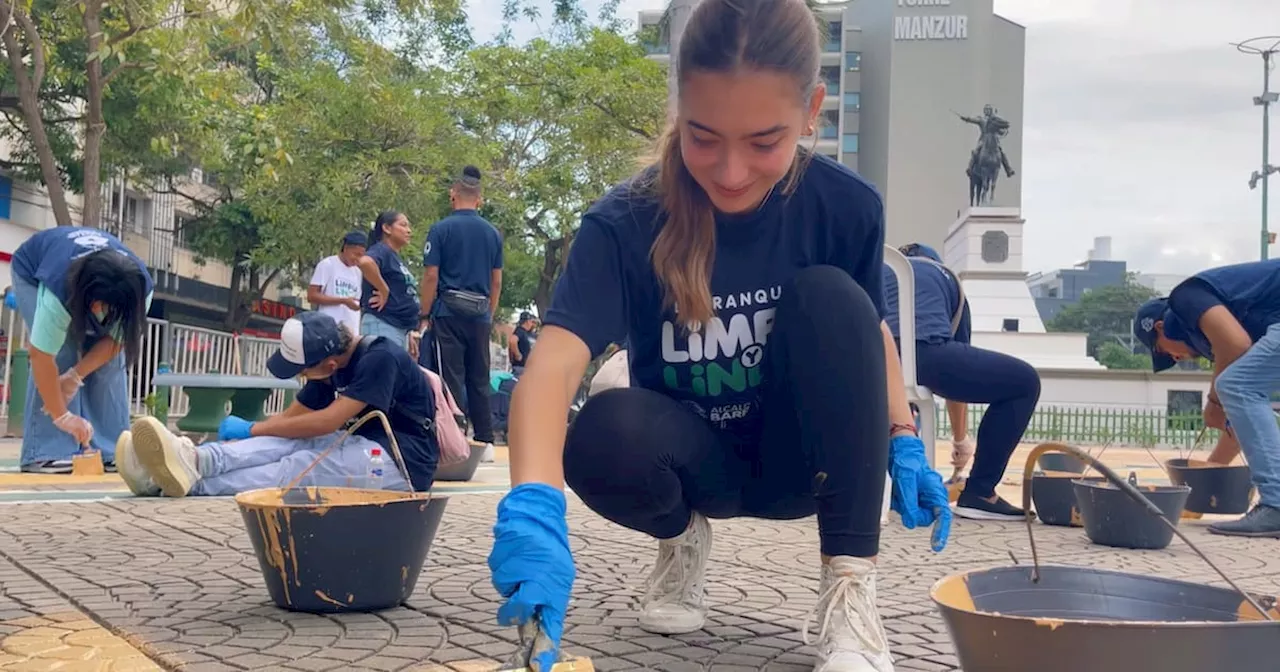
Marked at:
<point>1269,534</point>
<point>167,472</point>
<point>669,627</point>
<point>124,451</point>
<point>979,514</point>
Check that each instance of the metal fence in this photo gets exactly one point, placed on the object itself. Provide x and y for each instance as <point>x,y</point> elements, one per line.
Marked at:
<point>187,349</point>
<point>1094,426</point>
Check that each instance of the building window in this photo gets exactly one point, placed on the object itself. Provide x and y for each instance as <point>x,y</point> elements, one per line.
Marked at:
<point>852,60</point>
<point>830,125</point>
<point>849,143</point>
<point>834,35</point>
<point>852,101</point>
<point>831,77</point>
<point>1009,324</point>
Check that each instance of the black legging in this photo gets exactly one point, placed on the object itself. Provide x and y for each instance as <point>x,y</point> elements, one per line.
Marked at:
<point>961,372</point>
<point>645,461</point>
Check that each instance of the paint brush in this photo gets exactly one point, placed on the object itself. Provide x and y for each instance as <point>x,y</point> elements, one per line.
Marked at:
<point>534,642</point>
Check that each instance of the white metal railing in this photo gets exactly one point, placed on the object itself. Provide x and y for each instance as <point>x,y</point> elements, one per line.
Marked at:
<point>187,349</point>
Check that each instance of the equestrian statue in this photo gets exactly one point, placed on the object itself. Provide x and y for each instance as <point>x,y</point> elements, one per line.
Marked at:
<point>988,157</point>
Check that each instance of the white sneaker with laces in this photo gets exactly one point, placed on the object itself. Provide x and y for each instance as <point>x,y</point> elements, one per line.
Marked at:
<point>170,459</point>
<point>131,470</point>
<point>673,603</point>
<point>851,637</point>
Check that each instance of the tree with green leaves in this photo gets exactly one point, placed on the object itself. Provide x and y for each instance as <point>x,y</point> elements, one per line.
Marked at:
<point>1105,314</point>
<point>561,123</point>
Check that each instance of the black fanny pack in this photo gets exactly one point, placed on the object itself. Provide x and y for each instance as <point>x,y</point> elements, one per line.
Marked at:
<point>465,304</point>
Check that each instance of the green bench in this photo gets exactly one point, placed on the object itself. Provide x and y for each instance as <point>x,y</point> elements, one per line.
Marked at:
<point>208,394</point>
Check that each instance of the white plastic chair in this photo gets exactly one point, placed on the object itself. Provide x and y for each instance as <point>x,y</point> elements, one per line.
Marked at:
<point>916,393</point>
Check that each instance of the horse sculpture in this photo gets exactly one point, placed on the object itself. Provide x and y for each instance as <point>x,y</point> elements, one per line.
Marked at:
<point>988,157</point>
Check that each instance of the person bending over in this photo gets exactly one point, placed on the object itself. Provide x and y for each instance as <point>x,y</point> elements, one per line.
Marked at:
<point>346,378</point>
<point>1230,315</point>
<point>950,366</point>
<point>84,297</point>
<point>743,272</point>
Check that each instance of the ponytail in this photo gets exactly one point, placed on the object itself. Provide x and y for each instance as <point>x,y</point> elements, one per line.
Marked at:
<point>684,251</point>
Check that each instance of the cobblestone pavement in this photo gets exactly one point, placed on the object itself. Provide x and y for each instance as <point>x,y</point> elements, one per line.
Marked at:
<point>178,580</point>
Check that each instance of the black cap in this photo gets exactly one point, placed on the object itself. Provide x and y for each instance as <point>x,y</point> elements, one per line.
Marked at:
<point>525,316</point>
<point>306,339</point>
<point>356,238</point>
<point>1144,329</point>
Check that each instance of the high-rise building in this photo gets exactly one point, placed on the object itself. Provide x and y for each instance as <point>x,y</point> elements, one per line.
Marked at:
<point>907,83</point>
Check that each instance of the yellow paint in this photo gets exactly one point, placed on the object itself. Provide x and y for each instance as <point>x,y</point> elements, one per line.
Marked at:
<point>68,642</point>
<point>24,480</point>
<point>1051,623</point>
<point>1247,612</point>
<point>953,591</point>
<point>1077,520</point>
<point>87,463</point>
<point>576,664</point>
<point>321,594</point>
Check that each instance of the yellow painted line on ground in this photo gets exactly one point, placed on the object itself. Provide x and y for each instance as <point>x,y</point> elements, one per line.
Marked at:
<point>24,479</point>
<point>68,642</point>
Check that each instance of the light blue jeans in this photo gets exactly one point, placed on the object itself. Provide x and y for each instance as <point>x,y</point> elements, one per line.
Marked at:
<point>1245,390</point>
<point>232,467</point>
<point>372,325</point>
<point>103,400</point>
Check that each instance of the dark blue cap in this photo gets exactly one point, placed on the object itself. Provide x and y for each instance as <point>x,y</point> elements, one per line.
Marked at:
<point>920,250</point>
<point>305,340</point>
<point>1144,329</point>
<point>356,238</point>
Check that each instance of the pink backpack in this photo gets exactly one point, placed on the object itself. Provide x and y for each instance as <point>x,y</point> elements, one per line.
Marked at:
<point>454,447</point>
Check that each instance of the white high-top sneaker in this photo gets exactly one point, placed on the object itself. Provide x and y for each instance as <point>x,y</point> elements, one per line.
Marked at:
<point>170,459</point>
<point>673,603</point>
<point>131,470</point>
<point>851,637</point>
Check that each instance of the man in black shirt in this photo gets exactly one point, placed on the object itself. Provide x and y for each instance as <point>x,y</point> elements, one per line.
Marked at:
<point>346,379</point>
<point>521,342</point>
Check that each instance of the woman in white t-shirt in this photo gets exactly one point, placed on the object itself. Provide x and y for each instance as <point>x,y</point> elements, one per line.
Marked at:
<point>335,284</point>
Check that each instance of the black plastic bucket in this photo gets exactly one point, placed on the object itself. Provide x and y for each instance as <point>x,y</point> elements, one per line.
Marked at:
<point>1112,518</point>
<point>465,470</point>
<point>1060,462</point>
<point>1055,497</point>
<point>1077,619</point>
<point>325,550</point>
<point>1215,488</point>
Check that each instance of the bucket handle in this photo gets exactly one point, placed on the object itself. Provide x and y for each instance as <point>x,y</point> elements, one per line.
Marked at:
<point>1128,489</point>
<point>386,426</point>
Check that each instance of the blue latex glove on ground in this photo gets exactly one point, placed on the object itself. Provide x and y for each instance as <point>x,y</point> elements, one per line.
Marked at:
<point>233,428</point>
<point>919,495</point>
<point>531,563</point>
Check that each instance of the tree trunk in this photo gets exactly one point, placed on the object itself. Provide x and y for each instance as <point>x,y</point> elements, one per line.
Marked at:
<point>28,83</point>
<point>554,256</point>
<point>95,126</point>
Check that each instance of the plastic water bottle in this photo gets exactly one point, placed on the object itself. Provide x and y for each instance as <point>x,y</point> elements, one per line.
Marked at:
<point>373,479</point>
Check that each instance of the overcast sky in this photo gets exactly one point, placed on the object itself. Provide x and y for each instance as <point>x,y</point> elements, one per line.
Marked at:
<point>1139,124</point>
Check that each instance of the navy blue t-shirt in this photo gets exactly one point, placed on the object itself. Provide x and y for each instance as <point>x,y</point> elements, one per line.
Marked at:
<point>46,256</point>
<point>466,248</point>
<point>609,293</point>
<point>937,297</point>
<point>402,306</point>
<point>1250,291</point>
<point>381,376</point>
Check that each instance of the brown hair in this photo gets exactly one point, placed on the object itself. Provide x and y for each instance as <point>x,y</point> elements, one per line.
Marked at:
<point>723,36</point>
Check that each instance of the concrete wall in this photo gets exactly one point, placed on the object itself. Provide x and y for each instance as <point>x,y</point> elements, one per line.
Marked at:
<point>1110,389</point>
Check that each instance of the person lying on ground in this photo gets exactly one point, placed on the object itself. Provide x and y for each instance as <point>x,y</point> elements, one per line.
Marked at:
<point>743,272</point>
<point>1230,315</point>
<point>347,377</point>
<point>952,368</point>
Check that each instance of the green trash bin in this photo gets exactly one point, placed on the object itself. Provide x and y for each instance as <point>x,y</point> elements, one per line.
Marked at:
<point>19,372</point>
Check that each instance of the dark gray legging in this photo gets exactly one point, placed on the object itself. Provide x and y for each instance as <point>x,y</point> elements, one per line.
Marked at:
<point>645,461</point>
<point>961,372</point>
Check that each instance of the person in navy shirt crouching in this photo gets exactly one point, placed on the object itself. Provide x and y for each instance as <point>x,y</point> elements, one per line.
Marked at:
<point>744,273</point>
<point>949,365</point>
<point>1231,316</point>
<point>347,377</point>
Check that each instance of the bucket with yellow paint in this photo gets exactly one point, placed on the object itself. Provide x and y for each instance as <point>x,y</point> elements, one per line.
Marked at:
<point>1215,488</point>
<point>339,549</point>
<point>1051,618</point>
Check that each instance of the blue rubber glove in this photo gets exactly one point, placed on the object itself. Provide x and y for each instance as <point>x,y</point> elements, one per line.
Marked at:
<point>919,495</point>
<point>531,563</point>
<point>233,428</point>
<point>11,299</point>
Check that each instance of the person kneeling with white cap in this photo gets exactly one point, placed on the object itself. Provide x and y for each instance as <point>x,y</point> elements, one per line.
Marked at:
<point>346,378</point>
